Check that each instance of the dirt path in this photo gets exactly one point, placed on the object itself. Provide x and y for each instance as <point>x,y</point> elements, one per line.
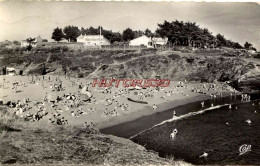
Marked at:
<point>47,60</point>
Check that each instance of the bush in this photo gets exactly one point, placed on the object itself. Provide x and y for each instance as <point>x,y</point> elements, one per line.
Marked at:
<point>148,51</point>
<point>29,47</point>
<point>6,51</point>
<point>257,56</point>
<point>229,54</point>
<point>174,56</point>
<point>185,51</point>
<point>190,60</point>
<point>124,57</point>
<point>55,57</point>
<point>80,75</point>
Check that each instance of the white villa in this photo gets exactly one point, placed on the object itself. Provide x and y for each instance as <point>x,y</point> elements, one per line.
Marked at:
<point>158,41</point>
<point>142,40</point>
<point>93,40</point>
<point>148,41</point>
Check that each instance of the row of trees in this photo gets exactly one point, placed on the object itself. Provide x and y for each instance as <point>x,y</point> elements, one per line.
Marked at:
<point>71,33</point>
<point>190,34</point>
<point>178,33</point>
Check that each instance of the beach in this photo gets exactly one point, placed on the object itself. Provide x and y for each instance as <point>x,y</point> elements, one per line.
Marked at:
<point>106,106</point>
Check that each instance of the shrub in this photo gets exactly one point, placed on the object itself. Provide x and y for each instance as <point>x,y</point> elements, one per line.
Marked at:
<point>257,56</point>
<point>229,54</point>
<point>124,57</point>
<point>174,56</point>
<point>80,75</point>
<point>185,51</point>
<point>55,57</point>
<point>148,51</point>
<point>6,51</point>
<point>190,60</point>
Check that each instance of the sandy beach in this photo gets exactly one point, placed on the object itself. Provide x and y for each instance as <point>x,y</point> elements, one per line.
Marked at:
<point>106,107</point>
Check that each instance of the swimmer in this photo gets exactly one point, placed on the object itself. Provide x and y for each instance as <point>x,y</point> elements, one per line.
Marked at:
<point>202,104</point>
<point>173,134</point>
<point>174,114</point>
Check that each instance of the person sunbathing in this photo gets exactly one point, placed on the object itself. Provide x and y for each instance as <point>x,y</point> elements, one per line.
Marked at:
<point>155,107</point>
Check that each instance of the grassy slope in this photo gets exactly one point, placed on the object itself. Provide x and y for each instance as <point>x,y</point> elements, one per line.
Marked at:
<point>40,144</point>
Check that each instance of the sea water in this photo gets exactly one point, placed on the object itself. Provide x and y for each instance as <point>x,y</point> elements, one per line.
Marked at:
<point>219,131</point>
<point>129,129</point>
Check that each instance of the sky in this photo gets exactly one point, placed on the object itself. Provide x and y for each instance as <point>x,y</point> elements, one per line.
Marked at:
<point>19,20</point>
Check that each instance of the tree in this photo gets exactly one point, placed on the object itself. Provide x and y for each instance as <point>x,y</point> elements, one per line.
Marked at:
<point>30,41</point>
<point>138,33</point>
<point>174,31</point>
<point>57,34</point>
<point>83,31</point>
<point>191,32</point>
<point>93,31</point>
<point>116,37</point>
<point>148,33</point>
<point>128,34</point>
<point>221,40</point>
<point>248,45</point>
<point>237,45</point>
<point>166,30</point>
<point>253,48</point>
<point>16,42</point>
<point>71,33</point>
<point>109,34</point>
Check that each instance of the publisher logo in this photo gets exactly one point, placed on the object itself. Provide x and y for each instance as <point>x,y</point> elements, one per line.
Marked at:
<point>244,148</point>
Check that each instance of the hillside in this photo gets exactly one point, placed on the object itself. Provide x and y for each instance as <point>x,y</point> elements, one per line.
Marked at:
<point>199,65</point>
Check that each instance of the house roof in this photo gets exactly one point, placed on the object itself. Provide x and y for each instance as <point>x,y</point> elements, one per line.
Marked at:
<point>10,68</point>
<point>95,37</point>
<point>143,36</point>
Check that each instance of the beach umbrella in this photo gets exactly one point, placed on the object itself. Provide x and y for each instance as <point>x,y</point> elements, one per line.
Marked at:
<point>70,97</point>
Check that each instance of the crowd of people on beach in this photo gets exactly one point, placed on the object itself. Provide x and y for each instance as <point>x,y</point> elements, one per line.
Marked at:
<point>56,105</point>
<point>56,102</point>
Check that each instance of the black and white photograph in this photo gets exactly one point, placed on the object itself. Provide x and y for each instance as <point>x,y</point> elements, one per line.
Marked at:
<point>116,83</point>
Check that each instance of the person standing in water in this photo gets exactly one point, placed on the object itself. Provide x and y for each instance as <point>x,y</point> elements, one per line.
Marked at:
<point>174,114</point>
<point>202,104</point>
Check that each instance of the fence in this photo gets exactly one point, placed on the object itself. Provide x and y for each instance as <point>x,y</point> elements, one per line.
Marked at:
<point>122,47</point>
<point>81,46</point>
